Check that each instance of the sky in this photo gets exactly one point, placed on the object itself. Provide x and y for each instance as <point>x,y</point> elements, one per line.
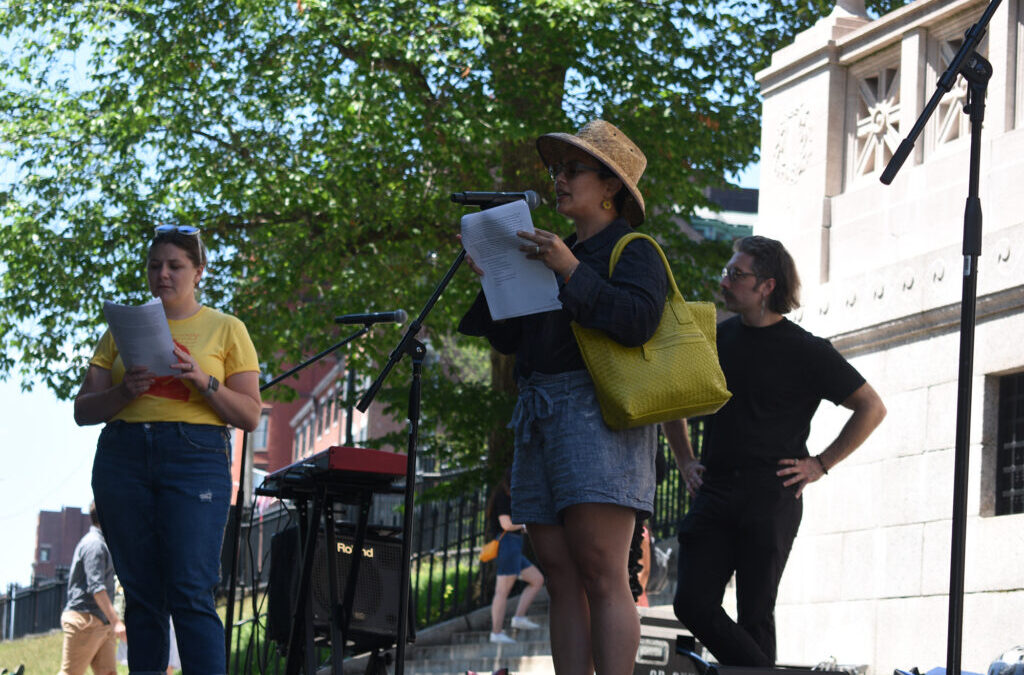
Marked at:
<point>47,465</point>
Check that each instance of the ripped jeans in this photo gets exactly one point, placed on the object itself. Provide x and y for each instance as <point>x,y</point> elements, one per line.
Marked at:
<point>162,493</point>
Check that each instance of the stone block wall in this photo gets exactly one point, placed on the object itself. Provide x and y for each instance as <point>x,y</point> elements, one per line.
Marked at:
<point>868,578</point>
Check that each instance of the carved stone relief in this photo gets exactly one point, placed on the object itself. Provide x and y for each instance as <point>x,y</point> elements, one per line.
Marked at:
<point>792,152</point>
<point>877,120</point>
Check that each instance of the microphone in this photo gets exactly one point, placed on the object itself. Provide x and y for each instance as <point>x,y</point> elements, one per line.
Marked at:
<point>397,316</point>
<point>486,199</point>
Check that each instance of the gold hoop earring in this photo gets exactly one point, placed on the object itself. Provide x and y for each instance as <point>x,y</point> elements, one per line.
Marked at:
<point>606,205</point>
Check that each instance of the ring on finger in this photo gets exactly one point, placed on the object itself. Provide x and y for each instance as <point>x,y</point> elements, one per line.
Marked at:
<point>536,250</point>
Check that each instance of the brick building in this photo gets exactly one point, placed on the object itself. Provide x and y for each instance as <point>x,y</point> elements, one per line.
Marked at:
<point>57,533</point>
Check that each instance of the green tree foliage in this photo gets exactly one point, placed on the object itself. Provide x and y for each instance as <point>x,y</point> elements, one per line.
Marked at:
<point>316,144</point>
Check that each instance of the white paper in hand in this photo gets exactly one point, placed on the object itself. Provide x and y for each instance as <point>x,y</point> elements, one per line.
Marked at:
<point>514,284</point>
<point>142,335</point>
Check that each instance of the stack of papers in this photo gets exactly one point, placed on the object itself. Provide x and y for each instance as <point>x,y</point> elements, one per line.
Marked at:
<point>142,335</point>
<point>514,284</point>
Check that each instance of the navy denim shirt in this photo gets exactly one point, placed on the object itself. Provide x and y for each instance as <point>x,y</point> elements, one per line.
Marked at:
<point>627,307</point>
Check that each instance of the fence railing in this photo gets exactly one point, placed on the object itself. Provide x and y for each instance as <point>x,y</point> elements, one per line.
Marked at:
<point>447,579</point>
<point>34,609</point>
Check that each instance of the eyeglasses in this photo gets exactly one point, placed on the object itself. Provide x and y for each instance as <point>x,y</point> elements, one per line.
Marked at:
<point>180,229</point>
<point>571,169</point>
<point>735,274</point>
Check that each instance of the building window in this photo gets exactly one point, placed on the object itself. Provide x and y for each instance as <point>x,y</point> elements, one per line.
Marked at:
<point>44,554</point>
<point>259,436</point>
<point>1010,446</point>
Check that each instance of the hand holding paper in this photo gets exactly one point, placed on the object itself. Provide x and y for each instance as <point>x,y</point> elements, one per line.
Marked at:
<point>513,284</point>
<point>142,336</point>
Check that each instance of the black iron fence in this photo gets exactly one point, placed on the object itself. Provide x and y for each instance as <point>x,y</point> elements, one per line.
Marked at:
<point>33,609</point>
<point>447,578</point>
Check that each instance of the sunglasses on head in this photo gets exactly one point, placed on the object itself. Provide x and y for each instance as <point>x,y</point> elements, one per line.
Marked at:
<point>571,169</point>
<point>180,229</point>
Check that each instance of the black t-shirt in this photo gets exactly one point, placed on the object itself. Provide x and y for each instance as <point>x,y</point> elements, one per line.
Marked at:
<point>502,505</point>
<point>777,375</point>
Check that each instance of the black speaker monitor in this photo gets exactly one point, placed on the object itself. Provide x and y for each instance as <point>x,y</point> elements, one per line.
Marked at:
<point>374,619</point>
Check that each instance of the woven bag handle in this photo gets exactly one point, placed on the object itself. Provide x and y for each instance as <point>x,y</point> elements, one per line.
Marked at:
<point>621,244</point>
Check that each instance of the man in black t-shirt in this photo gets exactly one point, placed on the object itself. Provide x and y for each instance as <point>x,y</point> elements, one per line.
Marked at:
<point>747,510</point>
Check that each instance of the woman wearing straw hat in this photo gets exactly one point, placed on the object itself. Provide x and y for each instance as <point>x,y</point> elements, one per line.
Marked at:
<point>577,484</point>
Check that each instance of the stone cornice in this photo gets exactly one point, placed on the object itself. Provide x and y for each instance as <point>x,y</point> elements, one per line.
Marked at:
<point>843,40</point>
<point>927,324</point>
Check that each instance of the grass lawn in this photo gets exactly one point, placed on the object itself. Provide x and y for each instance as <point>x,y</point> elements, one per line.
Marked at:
<point>39,653</point>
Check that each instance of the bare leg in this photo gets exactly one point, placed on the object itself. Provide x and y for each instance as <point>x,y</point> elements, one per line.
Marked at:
<point>502,586</point>
<point>534,580</point>
<point>569,612</point>
<point>598,537</point>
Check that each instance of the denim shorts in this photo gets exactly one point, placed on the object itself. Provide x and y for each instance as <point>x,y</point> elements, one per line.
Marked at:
<point>565,454</point>
<point>511,560</point>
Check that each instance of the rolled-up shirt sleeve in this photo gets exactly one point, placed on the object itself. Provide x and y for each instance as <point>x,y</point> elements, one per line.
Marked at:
<point>628,306</point>
<point>95,566</point>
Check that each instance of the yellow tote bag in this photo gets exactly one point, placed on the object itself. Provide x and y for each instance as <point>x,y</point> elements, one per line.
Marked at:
<point>673,375</point>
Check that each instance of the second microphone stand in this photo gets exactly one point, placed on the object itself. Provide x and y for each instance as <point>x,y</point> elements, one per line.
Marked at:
<point>236,527</point>
<point>417,352</point>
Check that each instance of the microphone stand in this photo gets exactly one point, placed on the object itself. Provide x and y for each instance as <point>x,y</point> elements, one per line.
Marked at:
<point>236,532</point>
<point>417,351</point>
<point>977,71</point>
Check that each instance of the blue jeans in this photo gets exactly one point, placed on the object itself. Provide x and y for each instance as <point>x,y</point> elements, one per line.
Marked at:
<point>162,494</point>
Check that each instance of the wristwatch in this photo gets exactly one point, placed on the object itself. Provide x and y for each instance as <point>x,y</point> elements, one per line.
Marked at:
<point>212,385</point>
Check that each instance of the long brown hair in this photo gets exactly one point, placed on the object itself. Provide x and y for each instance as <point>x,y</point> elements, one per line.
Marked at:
<point>503,485</point>
<point>772,261</point>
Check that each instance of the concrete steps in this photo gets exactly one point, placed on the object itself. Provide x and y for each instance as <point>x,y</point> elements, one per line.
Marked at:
<point>463,644</point>
<point>471,649</point>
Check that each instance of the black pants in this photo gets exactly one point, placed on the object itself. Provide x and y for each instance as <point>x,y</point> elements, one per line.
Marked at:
<point>744,522</point>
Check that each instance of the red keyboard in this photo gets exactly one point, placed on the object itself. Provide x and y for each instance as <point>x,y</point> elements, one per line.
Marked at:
<point>338,466</point>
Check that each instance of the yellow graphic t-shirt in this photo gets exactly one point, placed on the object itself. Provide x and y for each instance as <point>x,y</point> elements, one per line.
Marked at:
<point>220,344</point>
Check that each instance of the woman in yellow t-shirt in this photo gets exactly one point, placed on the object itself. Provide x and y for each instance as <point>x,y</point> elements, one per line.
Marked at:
<point>161,476</point>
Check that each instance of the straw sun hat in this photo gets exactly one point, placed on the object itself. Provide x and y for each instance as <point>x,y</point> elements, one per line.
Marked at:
<point>613,149</point>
